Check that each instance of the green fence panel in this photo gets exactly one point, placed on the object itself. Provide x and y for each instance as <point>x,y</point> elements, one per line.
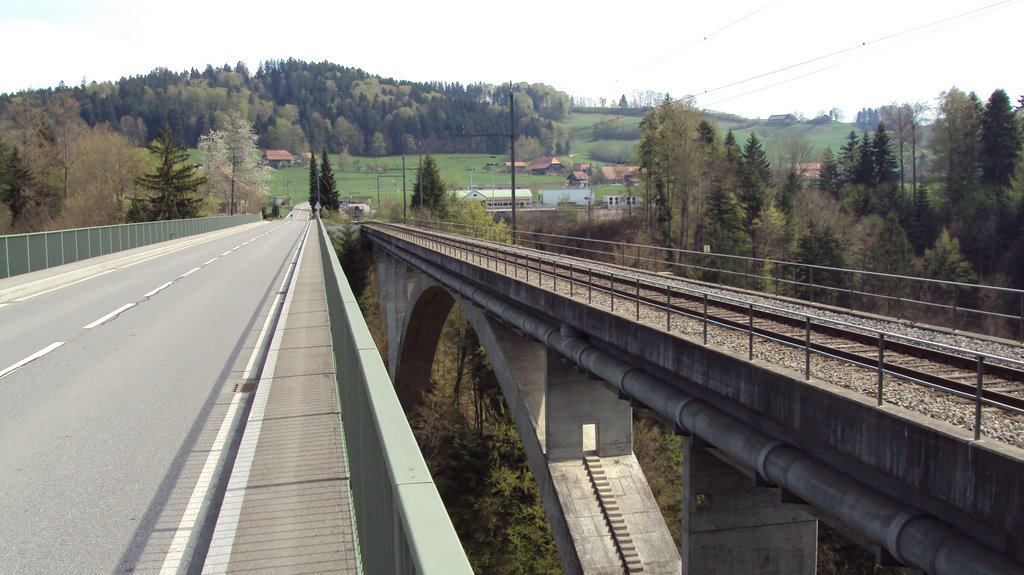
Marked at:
<point>54,250</point>
<point>4,264</point>
<point>37,252</point>
<point>24,253</point>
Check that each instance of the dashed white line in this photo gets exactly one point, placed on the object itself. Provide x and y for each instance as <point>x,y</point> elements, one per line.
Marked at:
<point>188,273</point>
<point>225,253</point>
<point>109,316</point>
<point>30,358</point>
<point>159,289</point>
<point>208,262</point>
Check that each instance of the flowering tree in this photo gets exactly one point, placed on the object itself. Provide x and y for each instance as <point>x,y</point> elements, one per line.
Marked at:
<point>232,163</point>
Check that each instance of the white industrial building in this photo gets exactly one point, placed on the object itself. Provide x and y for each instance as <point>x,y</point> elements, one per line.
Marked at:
<point>573,196</point>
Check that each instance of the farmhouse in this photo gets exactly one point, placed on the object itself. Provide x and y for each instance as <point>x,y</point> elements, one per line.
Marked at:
<point>578,179</point>
<point>546,166</point>
<point>277,158</point>
<point>781,119</point>
<point>520,167</point>
<point>620,175</point>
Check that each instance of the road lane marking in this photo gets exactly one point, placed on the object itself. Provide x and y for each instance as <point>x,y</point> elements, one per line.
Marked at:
<point>208,262</point>
<point>188,273</point>
<point>218,556</point>
<point>109,316</point>
<point>30,358</point>
<point>186,527</point>
<point>225,253</point>
<point>176,552</point>
<point>159,289</point>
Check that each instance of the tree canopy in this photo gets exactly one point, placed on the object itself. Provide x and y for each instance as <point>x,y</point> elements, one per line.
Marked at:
<point>172,186</point>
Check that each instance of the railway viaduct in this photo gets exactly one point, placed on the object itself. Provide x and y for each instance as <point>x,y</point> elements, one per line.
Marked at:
<point>766,453</point>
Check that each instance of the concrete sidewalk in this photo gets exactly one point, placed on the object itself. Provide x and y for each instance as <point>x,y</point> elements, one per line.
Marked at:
<point>287,507</point>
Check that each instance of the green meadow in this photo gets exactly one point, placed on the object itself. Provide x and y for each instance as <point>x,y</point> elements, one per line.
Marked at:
<point>369,178</point>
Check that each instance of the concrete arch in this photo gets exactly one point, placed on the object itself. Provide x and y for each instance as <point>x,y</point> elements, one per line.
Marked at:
<point>551,404</point>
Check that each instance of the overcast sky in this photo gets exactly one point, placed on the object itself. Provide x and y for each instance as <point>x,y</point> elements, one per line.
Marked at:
<point>749,57</point>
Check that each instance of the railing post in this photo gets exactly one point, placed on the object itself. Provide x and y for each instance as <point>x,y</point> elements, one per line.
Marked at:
<point>750,332</point>
<point>810,275</point>
<point>590,285</point>
<point>570,280</point>
<point>668,309</point>
<point>611,290</point>
<point>807,348</point>
<point>705,319</point>
<point>637,299</point>
<point>978,398</point>
<point>881,365</point>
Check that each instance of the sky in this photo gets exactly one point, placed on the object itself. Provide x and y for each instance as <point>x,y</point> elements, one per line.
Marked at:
<point>753,58</point>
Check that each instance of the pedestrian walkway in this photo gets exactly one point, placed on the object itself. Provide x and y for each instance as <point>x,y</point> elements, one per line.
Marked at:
<point>287,505</point>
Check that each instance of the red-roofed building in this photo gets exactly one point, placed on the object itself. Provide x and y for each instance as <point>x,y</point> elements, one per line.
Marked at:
<point>277,158</point>
<point>546,166</point>
<point>618,175</point>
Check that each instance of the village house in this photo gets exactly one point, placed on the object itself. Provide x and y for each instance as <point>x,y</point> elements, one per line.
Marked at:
<point>621,175</point>
<point>546,166</point>
<point>277,158</point>
<point>520,167</point>
<point>578,179</point>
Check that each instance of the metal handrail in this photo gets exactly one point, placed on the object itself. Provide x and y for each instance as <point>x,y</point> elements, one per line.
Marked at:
<point>401,523</point>
<point>809,319</point>
<point>903,282</point>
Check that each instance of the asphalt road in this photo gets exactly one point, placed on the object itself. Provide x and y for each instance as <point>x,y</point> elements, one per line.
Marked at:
<point>102,438</point>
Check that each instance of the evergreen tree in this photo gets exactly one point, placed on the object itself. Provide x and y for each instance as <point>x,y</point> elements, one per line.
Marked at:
<point>886,168</point>
<point>725,221</point>
<point>430,192</point>
<point>830,178</point>
<point>1000,140</point>
<point>314,182</point>
<point>172,186</point>
<point>329,196</point>
<point>788,192</point>
<point>732,149</point>
<point>955,145</point>
<point>821,246</point>
<point>15,183</point>
<point>849,155</point>
<point>865,173</point>
<point>755,179</point>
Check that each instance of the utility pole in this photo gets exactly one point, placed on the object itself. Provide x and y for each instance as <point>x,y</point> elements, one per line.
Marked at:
<point>512,148</point>
<point>403,188</point>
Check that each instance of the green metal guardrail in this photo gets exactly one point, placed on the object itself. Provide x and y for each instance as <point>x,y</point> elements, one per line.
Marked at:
<point>401,523</point>
<point>24,253</point>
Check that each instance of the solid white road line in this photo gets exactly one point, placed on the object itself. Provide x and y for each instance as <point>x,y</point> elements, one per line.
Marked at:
<point>179,544</point>
<point>28,297</point>
<point>176,552</point>
<point>159,289</point>
<point>109,316</point>
<point>219,554</point>
<point>31,358</point>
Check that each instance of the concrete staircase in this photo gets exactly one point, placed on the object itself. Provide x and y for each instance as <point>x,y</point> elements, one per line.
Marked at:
<point>613,515</point>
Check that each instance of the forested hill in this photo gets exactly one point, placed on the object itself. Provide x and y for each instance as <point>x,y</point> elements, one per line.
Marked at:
<point>298,106</point>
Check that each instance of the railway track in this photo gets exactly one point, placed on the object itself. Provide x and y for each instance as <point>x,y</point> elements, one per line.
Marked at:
<point>978,376</point>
